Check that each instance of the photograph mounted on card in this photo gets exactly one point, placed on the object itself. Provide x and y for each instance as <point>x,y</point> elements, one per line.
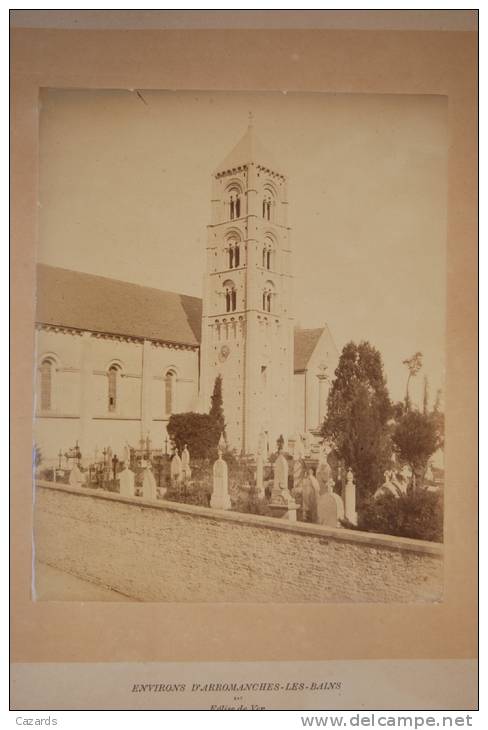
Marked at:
<point>244,394</point>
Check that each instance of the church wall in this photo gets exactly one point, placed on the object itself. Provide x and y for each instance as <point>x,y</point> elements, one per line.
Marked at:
<point>185,364</point>
<point>129,356</point>
<point>79,401</point>
<point>324,352</point>
<point>54,434</point>
<point>65,348</point>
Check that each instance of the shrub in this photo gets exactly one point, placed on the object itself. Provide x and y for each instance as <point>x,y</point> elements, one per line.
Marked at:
<point>415,439</point>
<point>417,514</point>
<point>198,430</point>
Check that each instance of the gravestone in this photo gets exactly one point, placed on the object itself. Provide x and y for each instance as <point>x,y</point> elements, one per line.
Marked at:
<point>176,468</point>
<point>309,500</point>
<point>350,499</point>
<point>126,482</point>
<point>298,448</point>
<point>149,486</point>
<point>324,475</point>
<point>280,481</point>
<point>76,478</point>
<point>259,475</point>
<point>282,503</point>
<point>185,463</point>
<point>298,471</point>
<point>126,454</point>
<point>327,510</point>
<point>340,508</point>
<point>387,486</point>
<point>220,494</point>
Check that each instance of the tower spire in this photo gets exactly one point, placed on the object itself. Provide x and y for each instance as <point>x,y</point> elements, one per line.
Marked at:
<point>250,123</point>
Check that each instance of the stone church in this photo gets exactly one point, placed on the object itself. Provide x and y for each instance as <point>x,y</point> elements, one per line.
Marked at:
<point>115,360</point>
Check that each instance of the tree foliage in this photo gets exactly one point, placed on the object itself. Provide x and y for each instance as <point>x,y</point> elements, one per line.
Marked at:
<point>416,437</point>
<point>198,430</point>
<point>217,405</point>
<point>416,514</point>
<point>358,411</point>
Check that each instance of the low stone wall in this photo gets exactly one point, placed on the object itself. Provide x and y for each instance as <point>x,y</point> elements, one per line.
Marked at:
<point>173,552</point>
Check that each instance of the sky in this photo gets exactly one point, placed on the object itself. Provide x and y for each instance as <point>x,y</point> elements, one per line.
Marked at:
<point>125,189</point>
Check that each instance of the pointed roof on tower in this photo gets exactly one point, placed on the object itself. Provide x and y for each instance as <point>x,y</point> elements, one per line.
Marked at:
<point>249,149</point>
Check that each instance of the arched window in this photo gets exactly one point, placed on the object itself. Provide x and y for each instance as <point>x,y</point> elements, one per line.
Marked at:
<point>47,366</point>
<point>268,293</point>
<point>230,296</point>
<point>234,253</point>
<point>269,200</point>
<point>268,249</point>
<point>232,200</point>
<point>169,391</point>
<point>267,205</point>
<point>113,380</point>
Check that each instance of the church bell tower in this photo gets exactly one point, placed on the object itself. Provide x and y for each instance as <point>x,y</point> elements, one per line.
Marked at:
<point>247,320</point>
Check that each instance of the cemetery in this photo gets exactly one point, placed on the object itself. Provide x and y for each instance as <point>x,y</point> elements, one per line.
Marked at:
<point>159,527</point>
<point>288,486</point>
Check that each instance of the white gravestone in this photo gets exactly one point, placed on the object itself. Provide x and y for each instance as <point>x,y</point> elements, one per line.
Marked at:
<point>76,478</point>
<point>127,482</point>
<point>280,482</point>
<point>259,475</point>
<point>350,499</point>
<point>309,500</point>
<point>126,454</point>
<point>176,468</point>
<point>282,503</point>
<point>324,474</point>
<point>298,448</point>
<point>149,486</point>
<point>327,510</point>
<point>185,463</point>
<point>220,494</point>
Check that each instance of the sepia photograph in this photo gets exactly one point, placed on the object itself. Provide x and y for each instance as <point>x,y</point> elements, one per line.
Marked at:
<point>240,347</point>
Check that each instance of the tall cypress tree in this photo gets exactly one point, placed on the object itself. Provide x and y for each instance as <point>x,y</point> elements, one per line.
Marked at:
<point>358,410</point>
<point>217,407</point>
